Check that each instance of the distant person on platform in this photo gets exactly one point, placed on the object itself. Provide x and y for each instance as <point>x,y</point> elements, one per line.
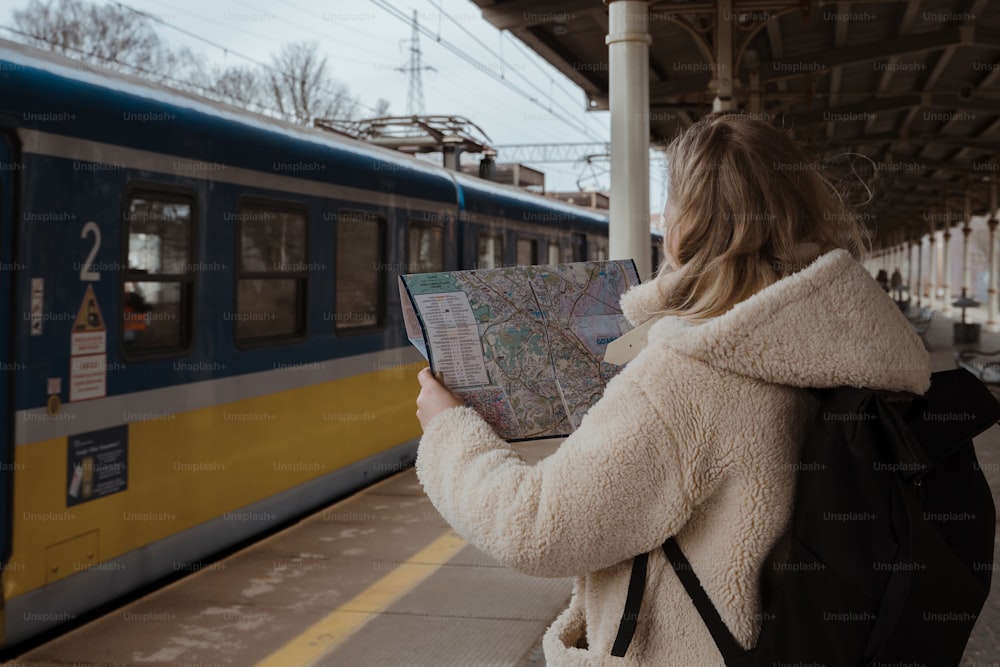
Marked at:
<point>896,283</point>
<point>883,279</point>
<point>699,435</point>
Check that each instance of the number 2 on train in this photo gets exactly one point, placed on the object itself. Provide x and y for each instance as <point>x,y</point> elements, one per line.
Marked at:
<point>85,271</point>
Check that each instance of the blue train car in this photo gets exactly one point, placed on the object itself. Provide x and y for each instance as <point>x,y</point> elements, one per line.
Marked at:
<point>509,227</point>
<point>202,336</point>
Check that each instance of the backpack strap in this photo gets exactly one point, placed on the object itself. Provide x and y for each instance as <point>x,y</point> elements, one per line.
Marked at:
<point>727,645</point>
<point>633,600</point>
<point>724,641</point>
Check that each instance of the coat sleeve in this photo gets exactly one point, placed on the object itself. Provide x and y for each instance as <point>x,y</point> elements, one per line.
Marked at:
<point>623,482</point>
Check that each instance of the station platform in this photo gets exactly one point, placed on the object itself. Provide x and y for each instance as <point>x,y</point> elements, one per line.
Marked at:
<point>375,580</point>
<point>379,580</point>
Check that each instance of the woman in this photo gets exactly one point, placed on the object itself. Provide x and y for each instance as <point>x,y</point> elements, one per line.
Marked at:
<point>699,435</point>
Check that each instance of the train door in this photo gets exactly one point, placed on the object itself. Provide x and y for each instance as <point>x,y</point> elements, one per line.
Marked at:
<point>579,246</point>
<point>9,168</point>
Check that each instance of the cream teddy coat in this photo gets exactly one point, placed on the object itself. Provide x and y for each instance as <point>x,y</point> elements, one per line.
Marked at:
<point>697,437</point>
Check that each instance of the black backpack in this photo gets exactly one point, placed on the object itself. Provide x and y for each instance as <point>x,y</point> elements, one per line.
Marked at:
<point>890,548</point>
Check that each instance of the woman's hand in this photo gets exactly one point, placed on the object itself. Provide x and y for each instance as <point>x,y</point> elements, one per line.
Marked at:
<point>434,397</point>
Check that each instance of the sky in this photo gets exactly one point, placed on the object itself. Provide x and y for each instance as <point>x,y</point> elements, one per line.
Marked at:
<point>365,44</point>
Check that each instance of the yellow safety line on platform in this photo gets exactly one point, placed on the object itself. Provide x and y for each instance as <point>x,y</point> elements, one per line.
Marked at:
<point>323,636</point>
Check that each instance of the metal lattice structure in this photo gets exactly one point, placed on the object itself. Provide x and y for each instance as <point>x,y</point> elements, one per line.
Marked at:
<point>414,134</point>
<point>415,88</point>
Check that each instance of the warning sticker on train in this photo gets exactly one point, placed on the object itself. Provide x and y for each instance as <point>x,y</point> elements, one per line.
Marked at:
<point>89,334</point>
<point>88,351</point>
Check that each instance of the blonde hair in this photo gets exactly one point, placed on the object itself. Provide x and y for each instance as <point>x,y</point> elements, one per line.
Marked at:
<point>751,208</point>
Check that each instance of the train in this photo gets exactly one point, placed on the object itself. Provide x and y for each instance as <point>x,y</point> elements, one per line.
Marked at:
<point>203,337</point>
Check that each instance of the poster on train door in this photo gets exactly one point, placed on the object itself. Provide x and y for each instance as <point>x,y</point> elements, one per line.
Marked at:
<point>97,464</point>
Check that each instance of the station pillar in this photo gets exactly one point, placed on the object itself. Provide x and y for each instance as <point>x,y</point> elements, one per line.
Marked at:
<point>946,270</point>
<point>628,43</point>
<point>909,269</point>
<point>932,260</point>
<point>920,272</point>
<point>722,81</point>
<point>993,322</point>
<point>966,264</point>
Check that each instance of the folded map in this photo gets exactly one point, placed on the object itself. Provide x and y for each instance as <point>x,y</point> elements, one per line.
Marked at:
<point>524,346</point>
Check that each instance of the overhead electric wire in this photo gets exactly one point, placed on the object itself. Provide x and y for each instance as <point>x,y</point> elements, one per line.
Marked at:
<point>212,21</point>
<point>445,93</point>
<point>383,4</point>
<point>315,32</point>
<point>501,77</point>
<point>157,19</point>
<point>495,54</point>
<point>392,10</point>
<point>355,31</point>
<point>199,38</point>
<point>533,59</point>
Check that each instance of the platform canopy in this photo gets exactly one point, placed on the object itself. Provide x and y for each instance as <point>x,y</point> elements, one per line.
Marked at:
<point>906,94</point>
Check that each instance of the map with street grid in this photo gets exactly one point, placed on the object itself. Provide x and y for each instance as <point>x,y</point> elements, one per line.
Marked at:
<point>524,346</point>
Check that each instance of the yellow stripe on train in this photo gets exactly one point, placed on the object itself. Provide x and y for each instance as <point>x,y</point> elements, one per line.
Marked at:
<point>185,469</point>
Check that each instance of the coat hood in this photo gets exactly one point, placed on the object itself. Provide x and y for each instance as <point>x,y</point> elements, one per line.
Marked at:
<point>828,325</point>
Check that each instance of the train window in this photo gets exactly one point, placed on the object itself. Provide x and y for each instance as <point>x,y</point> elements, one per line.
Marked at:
<point>579,244</point>
<point>600,246</point>
<point>527,252</point>
<point>490,255</point>
<point>554,256</point>
<point>273,273</point>
<point>156,306</point>
<point>426,254</point>
<point>360,283</point>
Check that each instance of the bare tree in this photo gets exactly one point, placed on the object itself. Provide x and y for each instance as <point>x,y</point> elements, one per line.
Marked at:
<point>296,86</point>
<point>301,88</point>
<point>243,86</point>
<point>110,36</point>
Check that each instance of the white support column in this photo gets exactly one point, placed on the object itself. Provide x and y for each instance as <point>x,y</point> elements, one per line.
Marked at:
<point>628,43</point>
<point>920,272</point>
<point>993,323</point>
<point>946,269</point>
<point>909,270</point>
<point>966,263</point>
<point>723,81</point>
<point>966,230</point>
<point>932,257</point>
